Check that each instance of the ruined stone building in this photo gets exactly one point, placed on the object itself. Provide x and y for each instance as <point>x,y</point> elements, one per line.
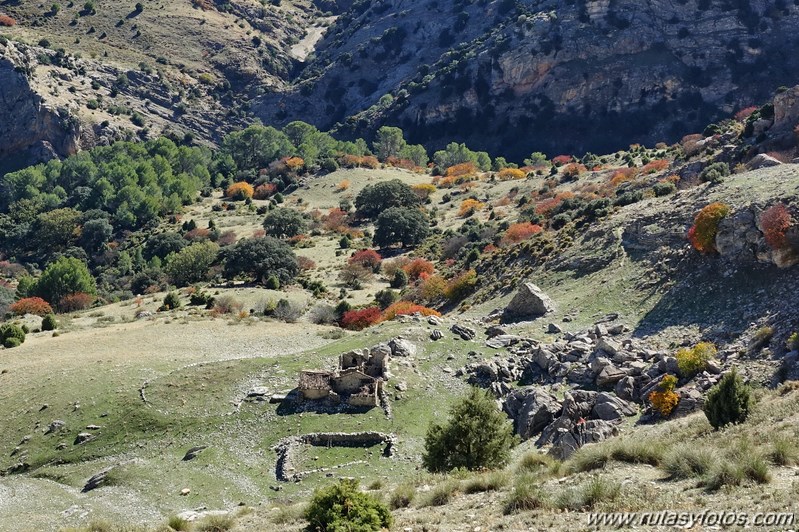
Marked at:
<point>358,381</point>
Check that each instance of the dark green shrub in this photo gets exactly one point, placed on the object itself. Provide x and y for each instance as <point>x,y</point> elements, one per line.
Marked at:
<point>10,343</point>
<point>385,298</point>
<point>476,436</point>
<point>664,189</point>
<point>272,283</point>
<point>49,323</point>
<point>11,335</point>
<point>729,401</point>
<point>171,301</point>
<point>400,279</point>
<point>715,173</point>
<point>200,298</point>
<point>342,507</point>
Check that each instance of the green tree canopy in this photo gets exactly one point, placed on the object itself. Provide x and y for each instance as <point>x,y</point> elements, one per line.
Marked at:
<point>388,143</point>
<point>477,435</point>
<point>191,264</point>
<point>376,198</point>
<point>401,225</point>
<point>65,276</point>
<point>261,258</point>
<point>284,223</point>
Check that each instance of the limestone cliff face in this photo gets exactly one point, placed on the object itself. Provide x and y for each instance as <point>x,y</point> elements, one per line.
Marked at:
<point>30,130</point>
<point>551,75</point>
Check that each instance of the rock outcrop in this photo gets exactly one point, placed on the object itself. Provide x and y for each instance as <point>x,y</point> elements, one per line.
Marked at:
<point>31,130</point>
<point>529,302</point>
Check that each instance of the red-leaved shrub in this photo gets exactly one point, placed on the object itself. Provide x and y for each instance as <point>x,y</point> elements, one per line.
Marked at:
<point>404,308</point>
<point>31,305</point>
<point>75,302</point>
<point>5,20</point>
<point>264,191</point>
<point>368,258</point>
<point>775,222</point>
<point>357,320</point>
<point>520,231</point>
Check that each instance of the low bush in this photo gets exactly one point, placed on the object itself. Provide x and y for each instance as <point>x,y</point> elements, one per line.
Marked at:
<point>240,191</point>
<point>399,279</point>
<point>171,301</point>
<point>386,298</point>
<point>287,311</point>
<point>693,360</point>
<point>688,461</point>
<point>366,258</point>
<point>664,399</point>
<point>323,314</point>
<point>343,507</point>
<point>402,496</point>
<point>702,234</point>
<point>404,308</point>
<point>203,299</point>
<point>441,494</point>
<point>461,286</point>
<point>729,401</point>
<point>775,222</point>
<point>215,523</point>
<point>417,267</point>
<point>715,173</point>
<point>49,323</point>
<point>11,335</point>
<point>31,305</point>
<point>519,232</point>
<point>597,490</point>
<point>484,482</point>
<point>525,496</point>
<point>357,320</point>
<point>76,302</point>
<point>784,452</point>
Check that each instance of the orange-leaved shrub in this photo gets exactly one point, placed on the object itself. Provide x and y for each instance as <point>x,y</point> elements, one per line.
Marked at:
<point>511,173</point>
<point>357,320</point>
<point>775,222</point>
<point>264,191</point>
<point>368,258</point>
<point>356,161</point>
<point>343,185</point>
<point>423,190</point>
<point>404,308</point>
<point>658,165</point>
<point>432,288</point>
<point>7,21</point>
<point>469,207</point>
<point>461,286</point>
<point>295,163</point>
<point>75,302</point>
<point>702,234</point>
<point>336,220</point>
<point>572,170</point>
<point>520,231</point>
<point>417,267</point>
<point>31,305</point>
<point>462,169</point>
<point>664,398</point>
<point>240,191</point>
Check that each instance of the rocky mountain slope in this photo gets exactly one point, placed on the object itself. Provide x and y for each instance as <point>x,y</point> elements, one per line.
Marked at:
<point>555,76</point>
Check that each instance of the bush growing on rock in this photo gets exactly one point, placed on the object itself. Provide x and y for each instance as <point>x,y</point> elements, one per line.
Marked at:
<point>664,398</point>
<point>693,360</point>
<point>775,222</point>
<point>343,507</point>
<point>477,435</point>
<point>702,234</point>
<point>729,401</point>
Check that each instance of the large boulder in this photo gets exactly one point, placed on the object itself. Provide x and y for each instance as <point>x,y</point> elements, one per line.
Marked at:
<point>400,347</point>
<point>532,409</point>
<point>529,302</point>
<point>761,160</point>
